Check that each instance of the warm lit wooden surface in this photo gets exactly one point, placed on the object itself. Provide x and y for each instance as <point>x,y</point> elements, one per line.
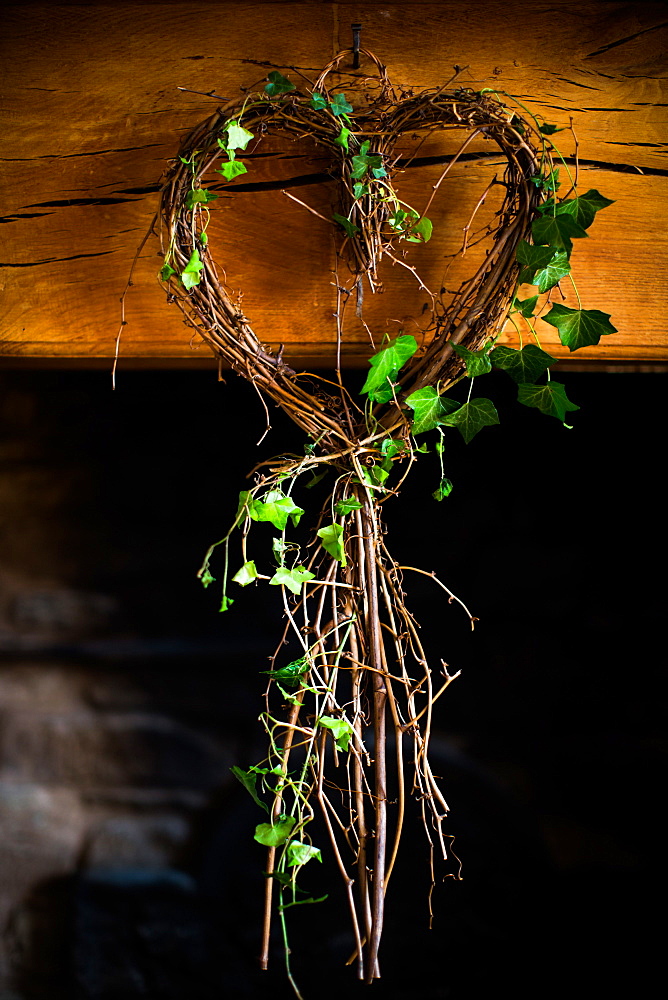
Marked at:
<point>92,113</point>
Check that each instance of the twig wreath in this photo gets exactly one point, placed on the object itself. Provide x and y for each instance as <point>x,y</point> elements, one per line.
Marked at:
<point>351,713</point>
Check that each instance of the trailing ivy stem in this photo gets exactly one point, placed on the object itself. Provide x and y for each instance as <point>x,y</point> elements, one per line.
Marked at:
<point>271,851</point>
<point>575,289</point>
<point>287,949</point>
<point>369,522</point>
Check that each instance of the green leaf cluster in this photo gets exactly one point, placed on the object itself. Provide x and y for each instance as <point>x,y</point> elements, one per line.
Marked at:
<point>524,367</point>
<point>411,226</point>
<point>546,260</point>
<point>190,275</point>
<point>275,507</point>
<point>338,105</point>
<point>443,490</point>
<point>431,410</point>
<point>234,137</point>
<point>364,163</point>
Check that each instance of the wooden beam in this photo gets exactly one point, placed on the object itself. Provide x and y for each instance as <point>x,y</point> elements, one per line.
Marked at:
<point>93,113</point>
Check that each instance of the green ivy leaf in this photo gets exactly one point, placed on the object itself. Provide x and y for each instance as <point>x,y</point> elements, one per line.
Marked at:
<point>237,136</point>
<point>316,477</point>
<point>278,84</point>
<point>385,366</point>
<point>525,306</point>
<point>550,399</point>
<point>226,603</point>
<point>293,579</point>
<point>583,209</point>
<point>165,272</point>
<point>429,409</point>
<point>246,574</point>
<point>206,579</point>
<point>389,448</point>
<point>472,417</point>
<point>299,853</point>
<point>198,195</point>
<point>243,503</point>
<point>317,102</point>
<point>360,189</point>
<point>292,672</point>
<point>579,327</point>
<point>421,231</point>
<point>249,779</point>
<point>340,728</point>
<point>274,834</point>
<point>346,224</point>
<point>276,508</point>
<point>477,362</point>
<point>548,276</point>
<point>557,230</point>
<point>523,366</point>
<point>398,219</point>
<point>377,474</point>
<point>347,506</point>
<point>331,539</point>
<point>232,169</point>
<point>444,489</point>
<point>547,129</point>
<point>363,162</point>
<point>190,275</point>
<point>342,139</point>
<point>533,258</point>
<point>547,182</point>
<point>339,105</point>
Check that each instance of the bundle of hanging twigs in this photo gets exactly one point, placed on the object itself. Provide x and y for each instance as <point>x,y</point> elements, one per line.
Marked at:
<point>342,714</point>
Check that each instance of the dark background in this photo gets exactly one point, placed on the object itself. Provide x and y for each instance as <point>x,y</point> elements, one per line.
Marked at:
<point>549,744</point>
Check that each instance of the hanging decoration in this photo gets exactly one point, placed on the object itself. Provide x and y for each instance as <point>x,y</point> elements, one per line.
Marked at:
<point>348,712</point>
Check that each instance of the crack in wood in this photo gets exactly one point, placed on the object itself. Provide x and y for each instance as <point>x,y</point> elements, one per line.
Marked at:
<point>58,260</point>
<point>77,202</point>
<point>585,86</point>
<point>623,41</point>
<point>23,215</point>
<point>70,156</point>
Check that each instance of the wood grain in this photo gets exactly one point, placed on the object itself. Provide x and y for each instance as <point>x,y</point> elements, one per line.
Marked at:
<point>92,114</point>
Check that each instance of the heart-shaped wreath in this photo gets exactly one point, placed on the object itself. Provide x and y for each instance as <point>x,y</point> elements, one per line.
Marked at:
<point>359,681</point>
